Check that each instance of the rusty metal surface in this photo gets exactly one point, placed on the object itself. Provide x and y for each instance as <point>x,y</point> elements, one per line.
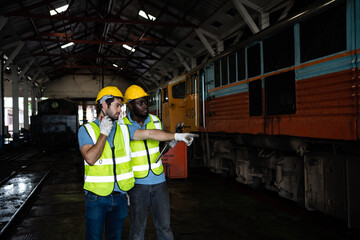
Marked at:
<point>326,108</point>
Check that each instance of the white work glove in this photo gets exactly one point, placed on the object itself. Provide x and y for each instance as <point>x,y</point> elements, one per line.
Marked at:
<point>172,143</point>
<point>106,125</point>
<point>187,138</point>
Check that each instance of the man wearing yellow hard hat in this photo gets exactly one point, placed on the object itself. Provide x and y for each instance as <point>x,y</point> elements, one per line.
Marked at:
<point>105,146</point>
<point>150,190</point>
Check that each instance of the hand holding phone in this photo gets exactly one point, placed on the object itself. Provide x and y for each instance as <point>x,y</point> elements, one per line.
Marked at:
<point>106,125</point>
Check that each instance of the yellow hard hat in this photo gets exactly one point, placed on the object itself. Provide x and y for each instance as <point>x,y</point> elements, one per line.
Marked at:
<point>110,91</point>
<point>134,92</point>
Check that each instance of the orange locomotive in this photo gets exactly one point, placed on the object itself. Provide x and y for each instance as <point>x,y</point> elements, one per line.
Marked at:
<point>281,110</point>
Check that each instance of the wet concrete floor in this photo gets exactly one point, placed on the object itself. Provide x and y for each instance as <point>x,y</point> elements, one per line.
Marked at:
<point>204,206</point>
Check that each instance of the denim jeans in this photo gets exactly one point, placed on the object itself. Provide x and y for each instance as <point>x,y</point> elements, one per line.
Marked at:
<point>155,197</point>
<point>110,210</point>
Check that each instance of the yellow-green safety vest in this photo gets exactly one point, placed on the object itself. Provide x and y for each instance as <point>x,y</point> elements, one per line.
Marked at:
<point>114,165</point>
<point>144,153</point>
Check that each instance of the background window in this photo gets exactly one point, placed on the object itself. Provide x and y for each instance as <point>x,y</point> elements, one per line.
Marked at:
<point>241,63</point>
<point>224,72</point>
<point>254,63</point>
<point>255,98</point>
<point>217,73</point>
<point>324,34</point>
<point>178,90</point>
<point>232,68</point>
<point>280,94</point>
<point>279,50</point>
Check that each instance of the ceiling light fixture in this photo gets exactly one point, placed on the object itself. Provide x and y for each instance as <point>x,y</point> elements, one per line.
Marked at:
<point>147,16</point>
<point>67,45</point>
<point>128,47</point>
<point>59,10</point>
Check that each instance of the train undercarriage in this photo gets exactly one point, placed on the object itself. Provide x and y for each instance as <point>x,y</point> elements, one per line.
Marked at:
<point>319,175</point>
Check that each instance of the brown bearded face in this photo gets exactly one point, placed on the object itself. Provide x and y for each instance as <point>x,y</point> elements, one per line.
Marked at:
<point>113,111</point>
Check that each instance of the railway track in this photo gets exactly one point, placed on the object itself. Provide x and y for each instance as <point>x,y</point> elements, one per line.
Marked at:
<point>20,183</point>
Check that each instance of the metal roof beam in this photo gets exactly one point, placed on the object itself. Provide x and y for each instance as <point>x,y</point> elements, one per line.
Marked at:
<point>14,53</point>
<point>182,60</point>
<point>23,71</point>
<point>80,41</point>
<point>205,42</point>
<point>3,21</point>
<point>111,19</point>
<point>246,16</point>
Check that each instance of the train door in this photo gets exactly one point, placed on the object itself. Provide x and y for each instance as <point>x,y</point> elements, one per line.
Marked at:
<point>165,109</point>
<point>154,102</point>
<point>176,92</point>
<point>192,102</point>
<point>202,98</point>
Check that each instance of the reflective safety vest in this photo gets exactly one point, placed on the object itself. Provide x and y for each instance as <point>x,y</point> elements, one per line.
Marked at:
<point>144,153</point>
<point>114,164</point>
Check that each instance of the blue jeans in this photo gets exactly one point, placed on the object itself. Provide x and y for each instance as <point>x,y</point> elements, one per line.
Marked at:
<point>110,210</point>
<point>157,198</point>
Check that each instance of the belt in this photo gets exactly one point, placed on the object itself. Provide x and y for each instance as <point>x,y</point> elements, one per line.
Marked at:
<point>117,193</point>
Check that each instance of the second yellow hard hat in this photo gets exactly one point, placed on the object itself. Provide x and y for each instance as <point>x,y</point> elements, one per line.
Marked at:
<point>134,92</point>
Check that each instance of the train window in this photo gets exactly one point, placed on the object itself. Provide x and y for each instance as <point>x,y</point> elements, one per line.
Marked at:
<point>187,85</point>
<point>232,68</point>
<point>201,96</point>
<point>178,90</point>
<point>253,60</point>
<point>217,73</point>
<point>151,100</point>
<point>165,95</point>
<point>193,80</point>
<point>241,63</point>
<point>324,34</point>
<point>279,50</point>
<point>280,94</point>
<point>224,71</point>
<point>255,98</point>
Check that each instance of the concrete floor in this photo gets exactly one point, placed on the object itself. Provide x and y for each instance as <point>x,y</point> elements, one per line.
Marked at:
<point>204,206</point>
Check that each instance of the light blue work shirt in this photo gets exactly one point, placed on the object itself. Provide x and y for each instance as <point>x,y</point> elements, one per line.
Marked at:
<point>151,177</point>
<point>85,139</point>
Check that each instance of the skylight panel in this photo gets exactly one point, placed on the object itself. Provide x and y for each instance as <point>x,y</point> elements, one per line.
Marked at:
<point>59,10</point>
<point>147,16</point>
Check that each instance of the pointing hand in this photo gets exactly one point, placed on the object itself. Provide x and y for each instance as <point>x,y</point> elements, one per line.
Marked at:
<point>188,138</point>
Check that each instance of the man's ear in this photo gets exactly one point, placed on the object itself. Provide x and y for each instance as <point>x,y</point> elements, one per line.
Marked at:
<point>129,105</point>
<point>104,105</point>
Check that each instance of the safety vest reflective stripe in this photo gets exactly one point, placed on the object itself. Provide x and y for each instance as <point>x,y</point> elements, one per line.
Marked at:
<point>109,161</point>
<point>144,153</point>
<point>146,167</point>
<point>156,121</point>
<point>91,132</point>
<point>126,133</point>
<point>100,179</point>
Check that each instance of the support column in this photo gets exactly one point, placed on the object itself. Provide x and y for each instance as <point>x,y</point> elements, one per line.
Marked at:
<point>26,104</point>
<point>15,97</point>
<point>84,106</point>
<point>33,101</point>
<point>2,123</point>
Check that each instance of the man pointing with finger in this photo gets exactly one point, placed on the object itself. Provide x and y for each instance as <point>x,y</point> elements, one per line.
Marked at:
<point>150,190</point>
<point>105,146</point>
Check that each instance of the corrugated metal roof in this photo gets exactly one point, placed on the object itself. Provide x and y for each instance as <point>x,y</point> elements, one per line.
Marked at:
<point>100,28</point>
